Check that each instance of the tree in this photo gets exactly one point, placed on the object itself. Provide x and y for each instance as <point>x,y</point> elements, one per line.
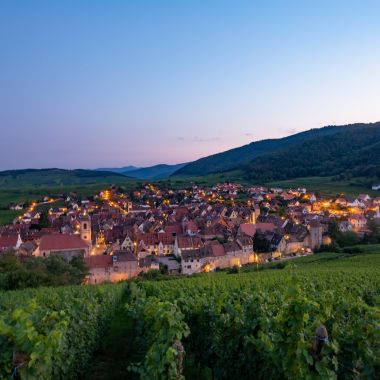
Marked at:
<point>347,239</point>
<point>37,271</point>
<point>374,232</point>
<point>374,227</point>
<point>43,222</point>
<point>261,243</point>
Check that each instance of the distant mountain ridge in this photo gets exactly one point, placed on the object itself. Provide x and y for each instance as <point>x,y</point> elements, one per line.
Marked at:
<point>61,177</point>
<point>124,169</point>
<point>343,151</point>
<point>160,171</point>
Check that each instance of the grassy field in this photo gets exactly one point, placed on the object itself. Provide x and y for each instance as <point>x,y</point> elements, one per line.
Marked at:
<point>16,196</point>
<point>7,216</point>
<point>325,186</point>
<point>36,194</point>
<point>56,178</point>
<point>322,185</point>
<point>209,180</point>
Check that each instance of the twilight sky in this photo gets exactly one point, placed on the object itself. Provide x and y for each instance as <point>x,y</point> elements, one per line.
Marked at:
<point>112,83</point>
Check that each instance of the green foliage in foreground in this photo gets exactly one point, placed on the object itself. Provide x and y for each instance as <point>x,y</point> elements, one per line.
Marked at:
<point>260,325</point>
<point>252,325</point>
<point>33,272</point>
<point>52,332</point>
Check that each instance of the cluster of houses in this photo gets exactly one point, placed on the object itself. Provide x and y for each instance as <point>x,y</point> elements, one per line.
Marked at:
<point>186,230</point>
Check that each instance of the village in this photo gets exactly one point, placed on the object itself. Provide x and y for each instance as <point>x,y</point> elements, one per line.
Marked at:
<point>183,231</point>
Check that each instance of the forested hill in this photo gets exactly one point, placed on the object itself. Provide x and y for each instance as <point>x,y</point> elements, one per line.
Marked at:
<point>344,151</point>
<point>353,152</point>
<point>56,177</point>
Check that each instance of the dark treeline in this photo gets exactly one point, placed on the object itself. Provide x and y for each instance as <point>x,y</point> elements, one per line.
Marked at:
<point>31,272</point>
<point>348,242</point>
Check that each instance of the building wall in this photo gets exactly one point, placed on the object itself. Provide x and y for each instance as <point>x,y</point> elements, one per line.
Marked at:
<point>226,261</point>
<point>293,247</point>
<point>85,230</point>
<point>66,254</point>
<point>119,271</point>
<point>160,249</point>
<point>315,237</point>
<point>127,244</point>
<point>191,266</point>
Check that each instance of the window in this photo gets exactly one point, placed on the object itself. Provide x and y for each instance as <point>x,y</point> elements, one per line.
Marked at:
<point>85,226</point>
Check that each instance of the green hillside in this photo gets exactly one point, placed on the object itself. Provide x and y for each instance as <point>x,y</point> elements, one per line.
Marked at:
<point>342,152</point>
<point>56,177</point>
<point>231,159</point>
<point>353,152</point>
<point>19,186</point>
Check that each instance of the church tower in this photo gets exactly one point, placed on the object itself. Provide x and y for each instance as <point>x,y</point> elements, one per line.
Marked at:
<point>252,217</point>
<point>85,229</point>
<point>315,230</point>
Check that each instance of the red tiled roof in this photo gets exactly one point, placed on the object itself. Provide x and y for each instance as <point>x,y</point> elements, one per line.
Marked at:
<point>57,242</point>
<point>189,242</point>
<point>216,249</point>
<point>265,227</point>
<point>153,238</point>
<point>124,256</point>
<point>175,228</point>
<point>248,229</point>
<point>231,247</point>
<point>101,261</point>
<point>8,241</point>
<point>191,226</point>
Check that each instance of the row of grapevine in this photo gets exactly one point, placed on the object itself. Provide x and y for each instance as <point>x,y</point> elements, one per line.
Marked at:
<point>259,326</point>
<point>160,326</point>
<point>51,333</point>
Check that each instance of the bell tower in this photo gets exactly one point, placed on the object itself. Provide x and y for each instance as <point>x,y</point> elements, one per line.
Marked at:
<point>315,230</point>
<point>85,229</point>
<point>252,217</point>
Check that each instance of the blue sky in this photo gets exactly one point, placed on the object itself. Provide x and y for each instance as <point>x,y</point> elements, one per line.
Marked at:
<point>112,83</point>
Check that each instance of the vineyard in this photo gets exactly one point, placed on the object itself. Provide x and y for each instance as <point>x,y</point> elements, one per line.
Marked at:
<point>262,325</point>
<point>255,325</point>
<point>51,333</point>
